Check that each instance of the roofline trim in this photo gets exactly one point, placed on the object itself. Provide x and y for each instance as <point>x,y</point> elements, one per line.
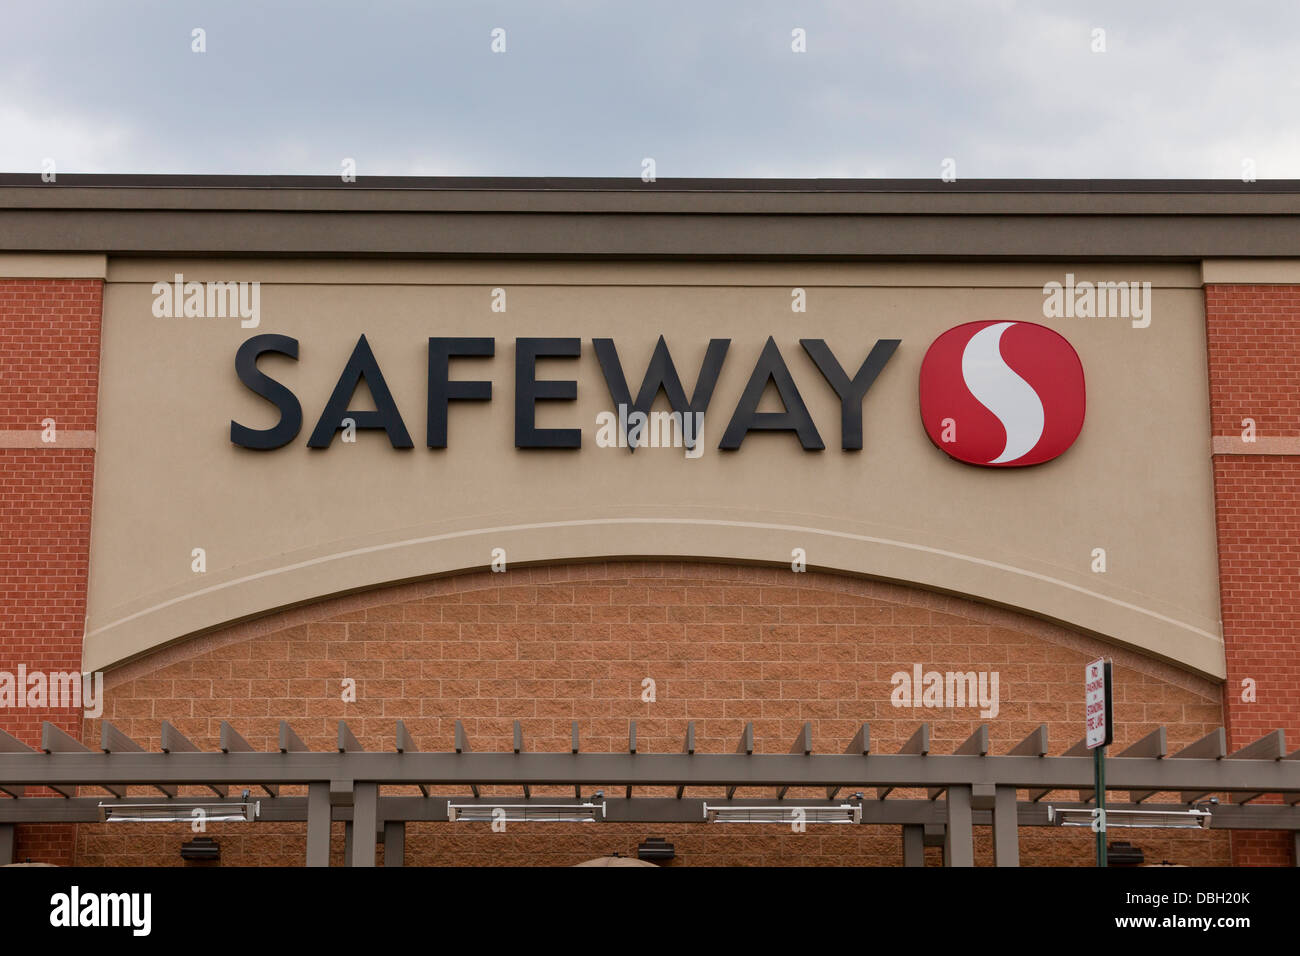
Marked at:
<point>728,219</point>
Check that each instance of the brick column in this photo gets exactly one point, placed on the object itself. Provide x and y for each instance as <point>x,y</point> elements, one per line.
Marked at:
<point>1254,365</point>
<point>49,369</point>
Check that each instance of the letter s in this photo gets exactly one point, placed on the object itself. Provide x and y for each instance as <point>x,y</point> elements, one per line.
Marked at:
<point>278,394</point>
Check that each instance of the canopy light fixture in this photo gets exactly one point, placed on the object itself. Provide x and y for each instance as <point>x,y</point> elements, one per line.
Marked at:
<point>1121,853</point>
<point>1196,819</point>
<point>526,812</point>
<point>201,848</point>
<point>180,811</point>
<point>795,813</point>
<point>655,848</point>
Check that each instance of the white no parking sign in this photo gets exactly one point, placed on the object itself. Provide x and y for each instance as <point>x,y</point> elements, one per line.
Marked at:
<point>1097,704</point>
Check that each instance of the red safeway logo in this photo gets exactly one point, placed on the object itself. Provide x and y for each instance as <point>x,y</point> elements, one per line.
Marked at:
<point>1002,394</point>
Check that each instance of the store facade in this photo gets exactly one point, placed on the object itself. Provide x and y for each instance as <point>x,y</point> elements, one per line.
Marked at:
<point>304,451</point>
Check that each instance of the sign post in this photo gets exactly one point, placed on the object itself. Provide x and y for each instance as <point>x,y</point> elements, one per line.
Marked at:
<point>1098,734</point>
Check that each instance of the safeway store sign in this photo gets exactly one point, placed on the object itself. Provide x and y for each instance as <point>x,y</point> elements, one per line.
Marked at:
<point>821,437</point>
<point>996,394</point>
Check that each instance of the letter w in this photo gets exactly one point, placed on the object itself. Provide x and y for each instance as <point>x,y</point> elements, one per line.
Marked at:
<point>661,374</point>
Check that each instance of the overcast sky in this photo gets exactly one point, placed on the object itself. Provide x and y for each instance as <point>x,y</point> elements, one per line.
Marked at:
<point>1006,89</point>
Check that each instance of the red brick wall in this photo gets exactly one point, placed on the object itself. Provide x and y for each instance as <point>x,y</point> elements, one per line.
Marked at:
<point>49,368</point>
<point>1254,340</point>
<point>49,352</point>
<point>1254,364</point>
<point>547,646</point>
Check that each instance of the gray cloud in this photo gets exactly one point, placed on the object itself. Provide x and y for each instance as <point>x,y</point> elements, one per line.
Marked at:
<point>1005,88</point>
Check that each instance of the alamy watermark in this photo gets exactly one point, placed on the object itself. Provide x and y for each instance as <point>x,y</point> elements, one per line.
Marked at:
<point>43,690</point>
<point>637,429</point>
<point>1098,300</point>
<point>946,689</point>
<point>133,911</point>
<point>208,300</point>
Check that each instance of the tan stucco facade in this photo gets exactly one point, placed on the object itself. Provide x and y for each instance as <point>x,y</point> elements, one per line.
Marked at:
<point>294,525</point>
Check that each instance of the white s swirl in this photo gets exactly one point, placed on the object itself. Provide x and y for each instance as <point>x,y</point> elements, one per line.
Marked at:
<point>998,388</point>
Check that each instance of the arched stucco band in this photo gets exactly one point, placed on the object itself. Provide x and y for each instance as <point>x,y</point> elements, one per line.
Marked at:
<point>312,578</point>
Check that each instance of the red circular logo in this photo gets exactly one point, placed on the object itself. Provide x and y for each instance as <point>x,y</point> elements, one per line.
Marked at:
<point>1002,394</point>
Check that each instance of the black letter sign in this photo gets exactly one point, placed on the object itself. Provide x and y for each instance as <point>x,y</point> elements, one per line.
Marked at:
<point>278,394</point>
<point>361,365</point>
<point>529,391</point>
<point>851,393</point>
<point>442,390</point>
<point>661,374</point>
<point>771,367</point>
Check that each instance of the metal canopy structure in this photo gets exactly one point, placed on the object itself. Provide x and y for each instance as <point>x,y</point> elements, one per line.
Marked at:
<point>965,789</point>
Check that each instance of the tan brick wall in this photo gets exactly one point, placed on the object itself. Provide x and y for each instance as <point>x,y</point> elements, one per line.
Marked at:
<point>550,645</point>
